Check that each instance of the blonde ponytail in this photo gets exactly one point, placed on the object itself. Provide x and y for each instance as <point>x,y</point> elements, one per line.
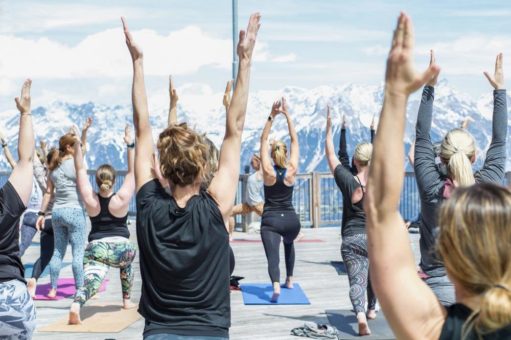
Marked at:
<point>457,151</point>
<point>279,154</point>
<point>363,153</point>
<point>495,309</point>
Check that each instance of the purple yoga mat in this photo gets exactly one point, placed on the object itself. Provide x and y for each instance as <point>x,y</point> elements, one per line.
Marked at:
<point>65,289</point>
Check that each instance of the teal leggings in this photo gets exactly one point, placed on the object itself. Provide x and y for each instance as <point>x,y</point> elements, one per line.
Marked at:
<point>99,256</point>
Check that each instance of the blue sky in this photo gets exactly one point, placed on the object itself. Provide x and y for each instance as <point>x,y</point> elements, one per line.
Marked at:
<point>74,51</point>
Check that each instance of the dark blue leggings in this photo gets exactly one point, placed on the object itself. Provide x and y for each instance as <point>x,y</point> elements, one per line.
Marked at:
<point>275,226</point>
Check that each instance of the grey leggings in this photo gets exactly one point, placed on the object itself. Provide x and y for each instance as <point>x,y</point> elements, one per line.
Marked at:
<point>68,227</point>
<point>355,257</point>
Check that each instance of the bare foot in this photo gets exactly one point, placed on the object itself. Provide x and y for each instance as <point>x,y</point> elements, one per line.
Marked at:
<point>289,282</point>
<point>363,327</point>
<point>371,314</point>
<point>276,292</point>
<point>127,304</point>
<point>31,286</point>
<point>52,294</point>
<point>74,314</point>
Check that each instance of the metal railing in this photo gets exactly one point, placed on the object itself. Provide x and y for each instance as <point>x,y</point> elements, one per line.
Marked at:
<point>316,198</point>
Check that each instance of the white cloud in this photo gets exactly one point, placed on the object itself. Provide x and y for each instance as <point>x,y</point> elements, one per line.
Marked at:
<point>104,54</point>
<point>481,13</point>
<point>285,58</point>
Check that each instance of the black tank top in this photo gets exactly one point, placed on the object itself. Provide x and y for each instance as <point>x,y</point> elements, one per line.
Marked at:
<point>279,196</point>
<point>457,314</point>
<point>107,225</point>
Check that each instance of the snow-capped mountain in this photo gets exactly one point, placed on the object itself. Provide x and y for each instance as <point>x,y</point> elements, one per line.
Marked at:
<point>307,107</point>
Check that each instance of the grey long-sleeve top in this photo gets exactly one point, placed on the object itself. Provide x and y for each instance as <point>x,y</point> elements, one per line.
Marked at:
<point>431,182</point>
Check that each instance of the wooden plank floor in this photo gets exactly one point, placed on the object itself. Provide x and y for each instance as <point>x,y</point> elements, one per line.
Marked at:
<point>318,278</point>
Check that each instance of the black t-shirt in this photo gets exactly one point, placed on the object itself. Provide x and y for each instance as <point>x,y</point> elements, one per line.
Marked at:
<point>353,215</point>
<point>184,264</point>
<point>11,209</point>
<point>457,315</point>
<point>105,224</point>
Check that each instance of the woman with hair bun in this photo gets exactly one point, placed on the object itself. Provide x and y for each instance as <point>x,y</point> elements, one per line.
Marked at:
<point>182,236</point>
<point>109,243</point>
<point>473,238</point>
<point>279,219</point>
<point>457,153</point>
<point>352,183</point>
<point>68,216</point>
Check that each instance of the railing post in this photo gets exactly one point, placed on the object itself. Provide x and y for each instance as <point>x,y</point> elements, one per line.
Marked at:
<point>315,185</point>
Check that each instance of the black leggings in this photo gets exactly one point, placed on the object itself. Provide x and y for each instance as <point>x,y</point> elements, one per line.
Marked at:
<point>47,245</point>
<point>274,226</point>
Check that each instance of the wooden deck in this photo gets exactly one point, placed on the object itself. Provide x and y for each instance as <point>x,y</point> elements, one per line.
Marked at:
<point>313,270</point>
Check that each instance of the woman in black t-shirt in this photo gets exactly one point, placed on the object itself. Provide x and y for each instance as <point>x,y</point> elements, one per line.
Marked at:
<point>182,237</point>
<point>17,315</point>
<point>353,231</point>
<point>474,234</point>
<point>109,243</point>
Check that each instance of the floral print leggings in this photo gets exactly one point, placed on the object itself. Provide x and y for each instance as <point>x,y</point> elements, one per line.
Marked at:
<point>98,258</point>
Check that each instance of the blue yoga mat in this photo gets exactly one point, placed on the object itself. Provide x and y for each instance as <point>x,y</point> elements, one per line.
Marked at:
<point>260,294</point>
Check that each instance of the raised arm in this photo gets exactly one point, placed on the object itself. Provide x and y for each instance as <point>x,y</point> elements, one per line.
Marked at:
<point>342,154</point>
<point>333,162</point>
<point>172,120</point>
<point>410,308</point>
<point>227,96</point>
<point>127,189</point>
<point>294,155</point>
<point>495,161</point>
<point>425,168</point>
<point>85,129</point>
<point>8,154</point>
<point>268,171</point>
<point>143,134</point>
<point>224,184</point>
<point>22,173</point>
<point>89,197</point>
<point>372,129</point>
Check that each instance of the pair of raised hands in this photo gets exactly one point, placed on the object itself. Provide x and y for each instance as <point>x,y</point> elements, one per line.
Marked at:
<point>279,106</point>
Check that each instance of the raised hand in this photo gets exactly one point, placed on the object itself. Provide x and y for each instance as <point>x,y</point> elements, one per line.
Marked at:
<point>227,94</point>
<point>497,81</point>
<point>401,78</point>
<point>88,123</point>
<point>135,51</point>
<point>283,107</point>
<point>247,38</point>
<point>328,119</point>
<point>172,92</point>
<point>432,61</point>
<point>275,108</point>
<point>128,139</point>
<point>43,145</point>
<point>23,102</point>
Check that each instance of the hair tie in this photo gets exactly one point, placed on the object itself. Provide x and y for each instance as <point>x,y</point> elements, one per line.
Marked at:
<point>501,286</point>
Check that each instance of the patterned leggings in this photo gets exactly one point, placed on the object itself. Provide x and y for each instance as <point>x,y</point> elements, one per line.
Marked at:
<point>17,311</point>
<point>354,255</point>
<point>68,227</point>
<point>99,256</point>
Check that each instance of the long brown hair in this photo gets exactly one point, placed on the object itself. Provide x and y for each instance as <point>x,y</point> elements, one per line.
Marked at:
<point>474,242</point>
<point>69,139</point>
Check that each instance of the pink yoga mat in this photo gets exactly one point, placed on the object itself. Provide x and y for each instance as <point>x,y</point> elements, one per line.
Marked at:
<point>65,289</point>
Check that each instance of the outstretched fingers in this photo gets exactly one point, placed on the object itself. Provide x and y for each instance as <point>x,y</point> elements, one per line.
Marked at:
<point>228,87</point>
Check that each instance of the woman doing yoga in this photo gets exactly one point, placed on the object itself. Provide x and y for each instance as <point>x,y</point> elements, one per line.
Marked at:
<point>17,312</point>
<point>457,153</point>
<point>474,234</point>
<point>354,238</point>
<point>182,236</point>
<point>109,243</point>
<point>279,220</point>
<point>342,154</point>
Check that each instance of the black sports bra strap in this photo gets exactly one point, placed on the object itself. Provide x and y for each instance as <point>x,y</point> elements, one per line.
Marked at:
<point>362,186</point>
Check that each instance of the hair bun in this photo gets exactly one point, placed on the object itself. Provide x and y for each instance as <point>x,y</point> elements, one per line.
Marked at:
<point>106,185</point>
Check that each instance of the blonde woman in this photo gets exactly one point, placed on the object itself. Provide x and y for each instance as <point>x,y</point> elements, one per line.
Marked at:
<point>457,153</point>
<point>182,236</point>
<point>474,234</point>
<point>279,219</point>
<point>353,231</point>
<point>109,244</point>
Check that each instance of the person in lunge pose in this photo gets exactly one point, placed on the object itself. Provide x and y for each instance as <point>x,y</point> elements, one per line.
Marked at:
<point>473,238</point>
<point>353,230</point>
<point>182,237</point>
<point>68,217</point>
<point>279,218</point>
<point>457,153</point>
<point>109,243</point>
<point>17,312</point>
<point>342,154</point>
